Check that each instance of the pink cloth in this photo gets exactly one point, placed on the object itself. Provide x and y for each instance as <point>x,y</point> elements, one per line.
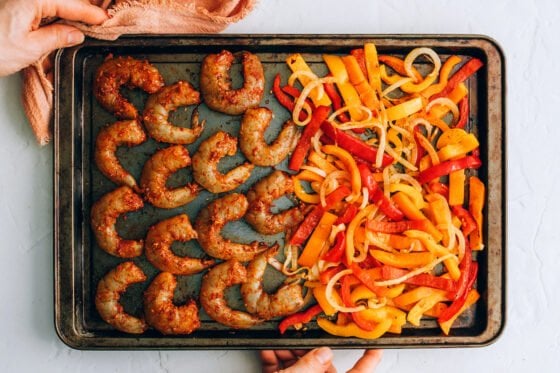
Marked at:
<point>128,17</point>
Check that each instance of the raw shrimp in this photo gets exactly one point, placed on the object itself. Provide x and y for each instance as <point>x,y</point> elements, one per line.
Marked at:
<point>215,83</point>
<point>156,172</point>
<point>210,221</point>
<point>104,214</point>
<point>109,291</point>
<point>212,297</point>
<point>205,164</point>
<point>158,246</point>
<point>126,132</point>
<point>260,198</point>
<point>117,71</point>
<point>287,299</point>
<point>252,143</point>
<point>160,311</point>
<point>156,114</point>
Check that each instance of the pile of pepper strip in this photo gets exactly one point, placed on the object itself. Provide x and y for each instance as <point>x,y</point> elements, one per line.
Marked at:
<point>384,160</point>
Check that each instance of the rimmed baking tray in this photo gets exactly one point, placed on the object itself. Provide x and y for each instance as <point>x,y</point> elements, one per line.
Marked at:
<point>79,263</point>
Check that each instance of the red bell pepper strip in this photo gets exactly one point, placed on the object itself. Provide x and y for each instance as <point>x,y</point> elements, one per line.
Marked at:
<point>292,91</point>
<point>299,318</point>
<point>336,100</point>
<point>345,295</point>
<point>298,156</point>
<point>445,168</point>
<point>350,211</point>
<point>281,96</point>
<point>376,195</point>
<point>457,304</point>
<point>420,149</point>
<point>335,254</point>
<point>360,57</point>
<point>468,224</point>
<point>463,113</point>
<point>423,279</point>
<point>311,220</point>
<point>439,188</point>
<point>365,276</point>
<point>354,145</point>
<point>465,267</point>
<point>469,68</point>
<point>327,274</point>
<point>396,226</point>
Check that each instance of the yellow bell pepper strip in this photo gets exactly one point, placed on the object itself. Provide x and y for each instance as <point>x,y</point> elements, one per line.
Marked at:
<point>297,63</point>
<point>321,162</point>
<point>446,68</point>
<point>358,80</point>
<point>439,111</point>
<point>397,64</point>
<point>309,176</point>
<point>471,298</point>
<point>320,295</point>
<point>476,204</point>
<point>410,210</point>
<point>353,330</point>
<point>445,168</point>
<point>457,188</point>
<point>300,318</point>
<point>347,91</point>
<point>430,244</point>
<point>415,295</point>
<point>404,109</point>
<point>302,195</point>
<point>423,305</point>
<point>441,215</point>
<point>403,260</point>
<point>372,67</point>
<point>319,115</point>
<point>467,144</point>
<point>368,318</point>
<point>317,241</point>
<point>349,164</point>
<point>423,279</point>
<point>400,242</point>
<point>468,69</point>
<point>414,194</point>
<point>451,136</point>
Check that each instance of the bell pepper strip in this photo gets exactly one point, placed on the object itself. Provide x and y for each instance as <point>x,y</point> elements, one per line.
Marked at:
<point>420,151</point>
<point>346,89</point>
<point>468,224</point>
<point>414,194</point>
<point>464,281</point>
<point>350,164</point>
<point>432,246</point>
<point>302,195</point>
<point>307,226</point>
<point>459,301</point>
<point>404,109</point>
<point>439,188</point>
<point>451,136</point>
<point>284,99</point>
<point>320,295</point>
<point>327,274</point>
<point>398,226</point>
<point>403,260</point>
<point>296,63</point>
<point>317,241</point>
<point>337,251</point>
<point>397,64</point>
<point>368,278</point>
<point>357,78</point>
<point>377,196</point>
<point>463,113</point>
<point>445,168</point>
<point>423,279</point>
<point>400,242</point>
<point>354,145</point>
<point>476,204</point>
<point>467,144</point>
<point>446,68</point>
<point>456,95</point>
<point>417,294</point>
<point>336,100</point>
<point>372,67</point>
<point>441,216</point>
<point>468,69</point>
<point>353,330</point>
<point>352,230</point>
<point>299,318</point>
<point>349,212</point>
<point>320,114</point>
<point>359,55</point>
<point>423,305</point>
<point>376,315</point>
<point>410,210</point>
<point>445,325</point>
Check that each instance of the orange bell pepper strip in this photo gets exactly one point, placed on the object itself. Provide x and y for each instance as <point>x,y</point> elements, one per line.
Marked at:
<point>353,330</point>
<point>471,298</point>
<point>350,164</point>
<point>314,247</point>
<point>476,204</point>
<point>319,293</point>
<point>457,188</point>
<point>299,318</point>
<point>346,89</point>
<point>403,260</point>
<point>466,144</point>
<point>408,208</point>
<point>446,68</point>
<point>358,80</point>
<point>423,305</point>
<point>397,64</point>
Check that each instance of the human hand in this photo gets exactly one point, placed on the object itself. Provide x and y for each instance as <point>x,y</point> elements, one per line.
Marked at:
<point>318,360</point>
<point>23,41</point>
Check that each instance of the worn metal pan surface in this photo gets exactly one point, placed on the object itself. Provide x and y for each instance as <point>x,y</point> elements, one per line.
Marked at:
<point>80,263</point>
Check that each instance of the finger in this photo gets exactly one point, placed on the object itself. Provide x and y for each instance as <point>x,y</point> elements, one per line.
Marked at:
<point>55,36</point>
<point>74,10</point>
<point>368,362</point>
<point>270,361</point>
<point>287,357</point>
<point>317,360</point>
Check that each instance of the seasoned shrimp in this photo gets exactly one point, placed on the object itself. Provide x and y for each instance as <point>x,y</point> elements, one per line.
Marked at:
<point>118,71</point>
<point>156,114</point>
<point>160,311</point>
<point>205,164</point>
<point>157,170</point>
<point>287,299</point>
<point>126,132</point>
<point>260,198</point>
<point>212,299</point>
<point>104,214</point>
<point>158,246</point>
<point>109,291</point>
<point>215,83</point>
<point>252,143</point>
<point>210,221</point>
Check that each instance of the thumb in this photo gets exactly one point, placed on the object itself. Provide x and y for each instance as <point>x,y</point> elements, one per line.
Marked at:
<point>316,361</point>
<point>46,39</point>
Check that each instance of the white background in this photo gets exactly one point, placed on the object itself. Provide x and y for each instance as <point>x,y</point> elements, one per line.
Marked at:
<point>528,32</point>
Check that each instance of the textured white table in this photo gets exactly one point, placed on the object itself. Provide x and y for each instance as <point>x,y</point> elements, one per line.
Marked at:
<point>528,32</point>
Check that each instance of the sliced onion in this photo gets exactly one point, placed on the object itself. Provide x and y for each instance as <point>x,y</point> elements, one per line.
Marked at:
<point>315,170</point>
<point>445,101</point>
<point>413,55</point>
<point>300,102</point>
<point>332,301</point>
<point>396,85</point>
<point>296,74</point>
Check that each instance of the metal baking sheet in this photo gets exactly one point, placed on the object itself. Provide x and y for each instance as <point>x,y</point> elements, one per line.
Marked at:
<point>80,263</point>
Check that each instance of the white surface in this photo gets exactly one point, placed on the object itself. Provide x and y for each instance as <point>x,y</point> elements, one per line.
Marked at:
<point>528,33</point>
